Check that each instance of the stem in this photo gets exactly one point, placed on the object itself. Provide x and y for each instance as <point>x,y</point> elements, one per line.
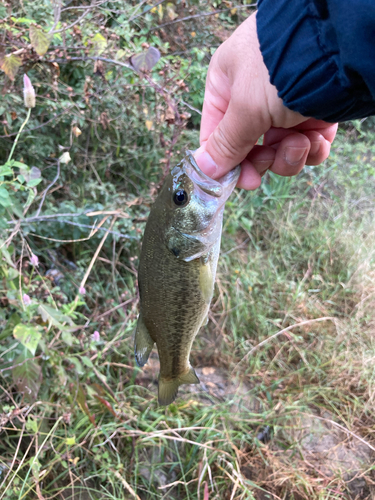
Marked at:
<point>18,135</point>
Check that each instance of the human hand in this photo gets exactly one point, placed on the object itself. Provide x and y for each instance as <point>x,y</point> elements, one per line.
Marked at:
<point>240,105</point>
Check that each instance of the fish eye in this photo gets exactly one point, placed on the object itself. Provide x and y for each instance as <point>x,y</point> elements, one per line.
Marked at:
<point>180,198</point>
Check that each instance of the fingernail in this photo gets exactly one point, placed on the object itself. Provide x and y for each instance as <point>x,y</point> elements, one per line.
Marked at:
<point>315,147</point>
<point>294,155</point>
<point>205,162</point>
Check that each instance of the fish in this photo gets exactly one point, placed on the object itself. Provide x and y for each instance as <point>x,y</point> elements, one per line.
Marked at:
<point>177,268</point>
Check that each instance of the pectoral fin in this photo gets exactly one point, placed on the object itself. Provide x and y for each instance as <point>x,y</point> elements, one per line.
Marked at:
<point>143,343</point>
<point>168,388</point>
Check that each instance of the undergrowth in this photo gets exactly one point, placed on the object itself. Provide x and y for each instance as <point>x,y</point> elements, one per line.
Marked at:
<point>286,409</point>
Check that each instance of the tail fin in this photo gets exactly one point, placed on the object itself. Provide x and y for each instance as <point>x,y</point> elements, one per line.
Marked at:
<point>168,388</point>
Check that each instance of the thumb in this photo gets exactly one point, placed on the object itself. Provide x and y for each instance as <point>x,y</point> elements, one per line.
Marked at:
<point>230,142</point>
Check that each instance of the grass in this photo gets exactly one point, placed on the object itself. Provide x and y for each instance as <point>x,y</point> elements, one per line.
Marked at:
<point>297,251</point>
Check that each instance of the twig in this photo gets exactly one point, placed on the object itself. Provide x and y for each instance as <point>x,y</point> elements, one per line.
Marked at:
<point>190,107</point>
<point>308,322</point>
<point>46,190</point>
<point>78,224</point>
<point>73,24</point>
<point>145,12</point>
<point>39,126</point>
<point>115,308</point>
<point>126,485</point>
<point>56,15</point>
<point>87,273</point>
<point>201,14</point>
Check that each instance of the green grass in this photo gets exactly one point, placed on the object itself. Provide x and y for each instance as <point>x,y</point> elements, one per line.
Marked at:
<point>297,250</point>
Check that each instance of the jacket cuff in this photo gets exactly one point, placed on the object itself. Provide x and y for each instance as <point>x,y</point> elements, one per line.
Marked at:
<point>299,47</point>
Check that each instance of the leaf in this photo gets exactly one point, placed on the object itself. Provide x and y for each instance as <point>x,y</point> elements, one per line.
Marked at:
<point>99,44</point>
<point>70,441</point>
<point>149,124</point>
<point>65,157</point>
<point>4,197</point>
<point>81,400</point>
<point>31,425</point>
<point>27,376</point>
<point>10,65</point>
<point>54,317</point>
<point>34,182</point>
<point>106,404</point>
<point>146,60</point>
<point>67,337</point>
<point>13,321</point>
<point>87,361</point>
<point>28,336</point>
<point>5,170</point>
<point>119,54</point>
<point>39,40</point>
<point>77,364</point>
<point>171,11</point>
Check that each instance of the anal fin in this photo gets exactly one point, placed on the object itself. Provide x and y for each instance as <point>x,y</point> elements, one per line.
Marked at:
<point>168,388</point>
<point>143,343</point>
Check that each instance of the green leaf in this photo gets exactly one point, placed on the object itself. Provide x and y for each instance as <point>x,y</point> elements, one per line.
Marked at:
<point>87,361</point>
<point>27,376</point>
<point>13,321</point>
<point>54,317</point>
<point>39,40</point>
<point>77,364</point>
<point>28,336</point>
<point>34,182</point>
<point>5,200</point>
<point>18,164</point>
<point>67,337</point>
<point>5,170</point>
<point>99,44</point>
<point>10,65</point>
<point>31,425</point>
<point>70,441</point>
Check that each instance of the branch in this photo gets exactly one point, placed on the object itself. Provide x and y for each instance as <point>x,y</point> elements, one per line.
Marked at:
<point>75,22</point>
<point>39,126</point>
<point>202,14</point>
<point>46,191</point>
<point>56,16</point>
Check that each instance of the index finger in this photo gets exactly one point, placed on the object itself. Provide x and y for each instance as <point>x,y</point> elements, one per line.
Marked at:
<point>215,104</point>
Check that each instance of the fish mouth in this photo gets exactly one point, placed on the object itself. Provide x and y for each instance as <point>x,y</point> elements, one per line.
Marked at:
<point>218,188</point>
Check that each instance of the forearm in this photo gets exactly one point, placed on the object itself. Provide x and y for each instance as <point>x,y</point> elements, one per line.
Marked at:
<point>320,55</point>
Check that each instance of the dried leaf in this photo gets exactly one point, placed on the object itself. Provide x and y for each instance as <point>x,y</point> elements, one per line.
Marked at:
<point>170,115</point>
<point>28,335</point>
<point>99,44</point>
<point>76,131</point>
<point>39,40</point>
<point>149,124</point>
<point>65,157</point>
<point>106,404</point>
<point>10,65</point>
<point>146,60</point>
<point>171,11</point>
<point>27,376</point>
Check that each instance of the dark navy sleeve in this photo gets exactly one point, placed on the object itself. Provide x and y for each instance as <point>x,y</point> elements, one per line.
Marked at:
<point>320,55</point>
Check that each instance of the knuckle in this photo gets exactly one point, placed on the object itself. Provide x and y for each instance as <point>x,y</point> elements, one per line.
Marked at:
<point>225,145</point>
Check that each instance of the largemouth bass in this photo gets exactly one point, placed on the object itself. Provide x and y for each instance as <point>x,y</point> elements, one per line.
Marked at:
<point>177,269</point>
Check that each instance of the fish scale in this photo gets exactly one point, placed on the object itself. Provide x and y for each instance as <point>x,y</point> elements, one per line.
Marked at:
<point>177,268</point>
